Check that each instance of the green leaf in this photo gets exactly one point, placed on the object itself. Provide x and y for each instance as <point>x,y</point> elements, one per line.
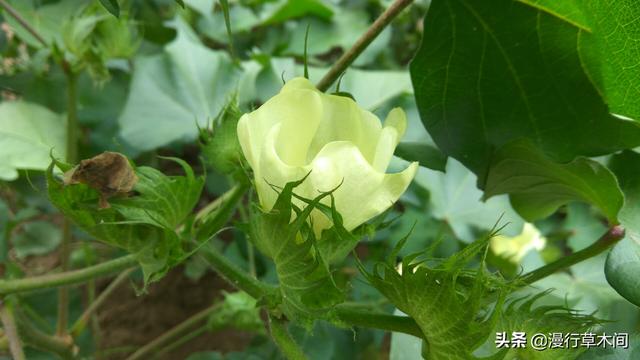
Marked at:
<point>28,132</point>
<point>455,199</point>
<point>164,201</point>
<point>36,238</point>
<point>445,300</point>
<point>175,92</point>
<point>489,72</point>
<point>425,154</point>
<point>608,46</point>
<point>567,10</point>
<point>289,9</point>
<point>144,224</point>
<point>306,284</point>
<point>538,186</point>
<point>111,6</point>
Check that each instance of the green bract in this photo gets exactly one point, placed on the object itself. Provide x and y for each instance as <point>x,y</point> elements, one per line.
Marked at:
<point>303,131</point>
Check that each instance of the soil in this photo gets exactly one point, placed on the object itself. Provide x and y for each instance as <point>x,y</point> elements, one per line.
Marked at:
<point>128,321</point>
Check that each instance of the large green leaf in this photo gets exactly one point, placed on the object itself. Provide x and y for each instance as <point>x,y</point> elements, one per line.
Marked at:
<point>489,72</point>
<point>28,132</point>
<point>144,224</point>
<point>175,92</point>
<point>568,10</point>
<point>608,44</point>
<point>538,186</point>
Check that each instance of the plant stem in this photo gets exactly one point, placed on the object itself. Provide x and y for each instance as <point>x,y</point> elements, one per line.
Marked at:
<point>387,322</point>
<point>146,351</point>
<point>11,332</point>
<point>374,30</point>
<point>80,324</point>
<point>42,341</point>
<point>11,11</point>
<point>236,276</point>
<point>72,154</point>
<point>63,291</point>
<point>290,349</point>
<point>612,236</point>
<point>67,278</point>
<point>185,338</point>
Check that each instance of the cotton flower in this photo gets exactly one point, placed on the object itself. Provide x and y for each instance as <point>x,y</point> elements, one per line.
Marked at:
<point>303,131</point>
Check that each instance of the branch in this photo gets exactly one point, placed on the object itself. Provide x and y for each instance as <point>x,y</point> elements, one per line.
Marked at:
<point>236,276</point>
<point>80,324</point>
<point>146,351</point>
<point>374,30</point>
<point>612,236</point>
<point>11,332</point>
<point>39,340</point>
<point>67,278</point>
<point>11,11</point>
<point>387,322</point>
<point>67,226</point>
<point>290,349</point>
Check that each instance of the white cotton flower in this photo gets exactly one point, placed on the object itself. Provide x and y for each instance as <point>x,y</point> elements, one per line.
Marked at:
<point>303,131</point>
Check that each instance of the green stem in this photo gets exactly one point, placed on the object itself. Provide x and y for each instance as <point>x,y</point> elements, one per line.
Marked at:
<point>236,276</point>
<point>42,341</point>
<point>612,236</point>
<point>72,154</point>
<point>63,291</point>
<point>67,278</point>
<point>11,332</point>
<point>290,349</point>
<point>146,351</point>
<point>387,322</point>
<point>361,44</point>
<point>16,15</point>
<point>80,324</point>
<point>181,341</point>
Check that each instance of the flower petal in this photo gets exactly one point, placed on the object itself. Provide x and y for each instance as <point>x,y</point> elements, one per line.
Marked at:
<point>394,127</point>
<point>363,194</point>
<point>298,109</point>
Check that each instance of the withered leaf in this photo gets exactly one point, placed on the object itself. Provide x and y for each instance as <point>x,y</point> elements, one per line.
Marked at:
<point>110,173</point>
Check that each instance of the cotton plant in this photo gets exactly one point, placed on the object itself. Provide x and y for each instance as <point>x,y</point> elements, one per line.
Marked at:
<point>308,172</point>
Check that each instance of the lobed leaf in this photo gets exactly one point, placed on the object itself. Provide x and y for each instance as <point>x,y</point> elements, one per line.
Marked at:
<point>143,224</point>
